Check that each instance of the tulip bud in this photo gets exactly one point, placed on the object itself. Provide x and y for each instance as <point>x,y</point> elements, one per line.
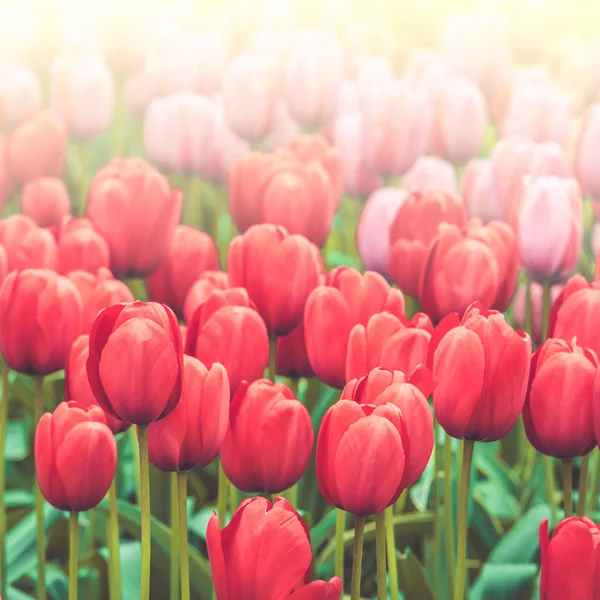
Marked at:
<point>586,153</point>
<point>27,245</point>
<point>135,367</point>
<point>75,456</point>
<point>431,174</point>
<point>201,289</point>
<point>291,358</point>
<point>45,200</point>
<point>81,247</point>
<point>20,94</point>
<point>477,189</point>
<point>40,317</point>
<point>191,436</point>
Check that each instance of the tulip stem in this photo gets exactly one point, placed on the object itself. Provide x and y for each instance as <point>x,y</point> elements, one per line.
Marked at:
<point>184,560</point>
<point>380,555</point>
<point>291,494</point>
<point>223,488</point>
<point>583,485</point>
<point>113,544</point>
<point>595,480</point>
<point>550,487</point>
<point>546,305</point>
<point>135,451</point>
<point>3,420</point>
<point>233,500</point>
<point>568,487</point>
<point>391,552</point>
<point>272,359</point>
<point>359,532</point>
<point>463,525</point>
<point>73,534</point>
<point>174,574</point>
<point>38,405</point>
<point>448,511</point>
<point>340,526</point>
<point>145,510</point>
<point>437,545</point>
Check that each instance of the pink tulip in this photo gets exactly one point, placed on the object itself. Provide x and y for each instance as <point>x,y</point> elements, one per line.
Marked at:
<point>46,201</point>
<point>425,68</point>
<point>20,94</point>
<point>80,247</point>
<point>586,153</point>
<point>370,72</point>
<point>349,101</point>
<point>283,129</point>
<point>550,227</point>
<point>431,173</point>
<point>519,307</point>
<point>477,189</point>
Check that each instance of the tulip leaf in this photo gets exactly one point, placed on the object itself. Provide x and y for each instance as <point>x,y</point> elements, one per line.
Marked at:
<point>199,521</point>
<point>321,532</point>
<point>498,582</point>
<point>16,441</point>
<point>16,498</point>
<point>412,577</point>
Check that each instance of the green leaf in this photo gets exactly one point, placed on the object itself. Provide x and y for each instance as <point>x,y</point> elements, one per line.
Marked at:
<point>16,441</point>
<point>16,498</point>
<point>498,582</point>
<point>321,532</point>
<point>199,522</point>
<point>412,577</point>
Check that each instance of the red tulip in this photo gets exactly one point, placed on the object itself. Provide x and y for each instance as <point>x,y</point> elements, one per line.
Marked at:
<point>270,438</point>
<point>320,590</point>
<point>40,317</point>
<point>3,265</point>
<point>279,271</point>
<point>416,224</point>
<point>191,252</point>
<point>190,437</point>
<point>45,200</point>
<point>558,409</point>
<point>75,456</point>
<point>201,289</point>
<point>570,560</point>
<point>135,367</point>
<point>77,385</point>
<point>481,368</point>
<point>133,207</point>
<point>292,359</point>
<point>348,298</point>
<point>81,247</point>
<point>27,245</point>
<point>6,178</point>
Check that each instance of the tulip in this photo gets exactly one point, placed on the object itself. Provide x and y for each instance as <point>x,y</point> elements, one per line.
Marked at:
<point>558,409</point>
<point>519,308</point>
<point>200,290</point>
<point>280,292</point>
<point>274,189</point>
<point>45,200</point>
<point>6,177</point>
<point>283,129</point>
<point>75,456</point>
<point>247,574</point>
<point>425,68</point>
<point>41,314</point>
<point>82,94</point>
<point>27,245</point>
<point>191,252</point>
<point>77,386</point>
<point>348,298</point>
<point>481,368</point>
<point>191,436</point>
<point>477,189</point>
<point>431,174</point>
<point>585,153</point>
<point>135,366</point>
<point>551,228</point>
<point>270,438</point>
<point>20,94</point>
<point>148,212</point>
<point>459,120</point>
<point>37,147</point>
<point>81,247</point>
<point>3,265</point>
<point>414,227</point>
<point>570,560</point>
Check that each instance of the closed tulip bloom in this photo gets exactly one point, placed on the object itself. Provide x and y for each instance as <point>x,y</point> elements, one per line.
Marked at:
<point>27,245</point>
<point>477,189</point>
<point>135,367</point>
<point>586,153</point>
<point>20,94</point>
<point>430,173</point>
<point>201,289</point>
<point>191,436</point>
<point>551,228</point>
<point>148,211</point>
<point>191,252</point>
<point>570,560</point>
<point>75,456</point>
<point>481,367</point>
<point>45,200</point>
<point>348,298</point>
<point>77,385</point>
<point>282,191</point>
<point>558,414</point>
<point>3,265</point>
<point>291,358</point>
<point>37,147</point>
<point>279,291</point>
<point>7,183</point>
<point>283,129</point>
<point>270,438</point>
<point>82,94</point>
<point>81,247</point>
<point>414,227</point>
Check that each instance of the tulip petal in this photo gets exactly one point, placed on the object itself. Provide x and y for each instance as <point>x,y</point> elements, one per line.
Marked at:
<point>216,557</point>
<point>320,590</point>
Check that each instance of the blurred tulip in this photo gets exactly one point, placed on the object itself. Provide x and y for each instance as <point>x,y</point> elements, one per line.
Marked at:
<point>191,252</point>
<point>520,309</point>
<point>37,147</point>
<point>6,177</point>
<point>283,129</point>
<point>425,68</point>
<point>348,298</point>
<point>481,368</point>
<point>75,456</point>
<point>431,174</point>
<point>3,265</point>
<point>135,367</point>
<point>81,247</point>
<point>415,225</point>
<point>200,290</point>
<point>586,153</point>
<point>270,438</point>
<point>148,211</point>
<point>45,200</point>
<point>477,189</point>
<point>279,271</point>
<point>20,94</point>
<point>291,358</point>
<point>558,410</point>
<point>40,317</point>
<point>190,437</point>
<point>27,245</point>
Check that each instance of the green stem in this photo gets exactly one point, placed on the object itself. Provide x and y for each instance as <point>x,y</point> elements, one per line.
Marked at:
<point>380,556</point>
<point>145,510</point>
<point>291,494</point>
<point>391,552</point>
<point>272,359</point>
<point>448,511</point>
<point>546,305</point>
<point>113,544</point>
<point>550,487</point>
<point>437,545</point>
<point>39,499</point>
<point>583,485</point>
<point>234,500</point>
<point>174,573</point>
<point>73,532</point>
<point>595,480</point>
<point>463,525</point>
<point>183,536</point>
<point>359,531</point>
<point>528,309</point>
<point>340,526</point>
<point>294,384</point>
<point>222,496</point>
<point>568,487</point>
<point>135,452</point>
<point>3,420</point>
<point>85,156</point>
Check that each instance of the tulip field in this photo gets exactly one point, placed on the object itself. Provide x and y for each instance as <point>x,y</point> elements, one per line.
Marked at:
<point>299,299</point>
